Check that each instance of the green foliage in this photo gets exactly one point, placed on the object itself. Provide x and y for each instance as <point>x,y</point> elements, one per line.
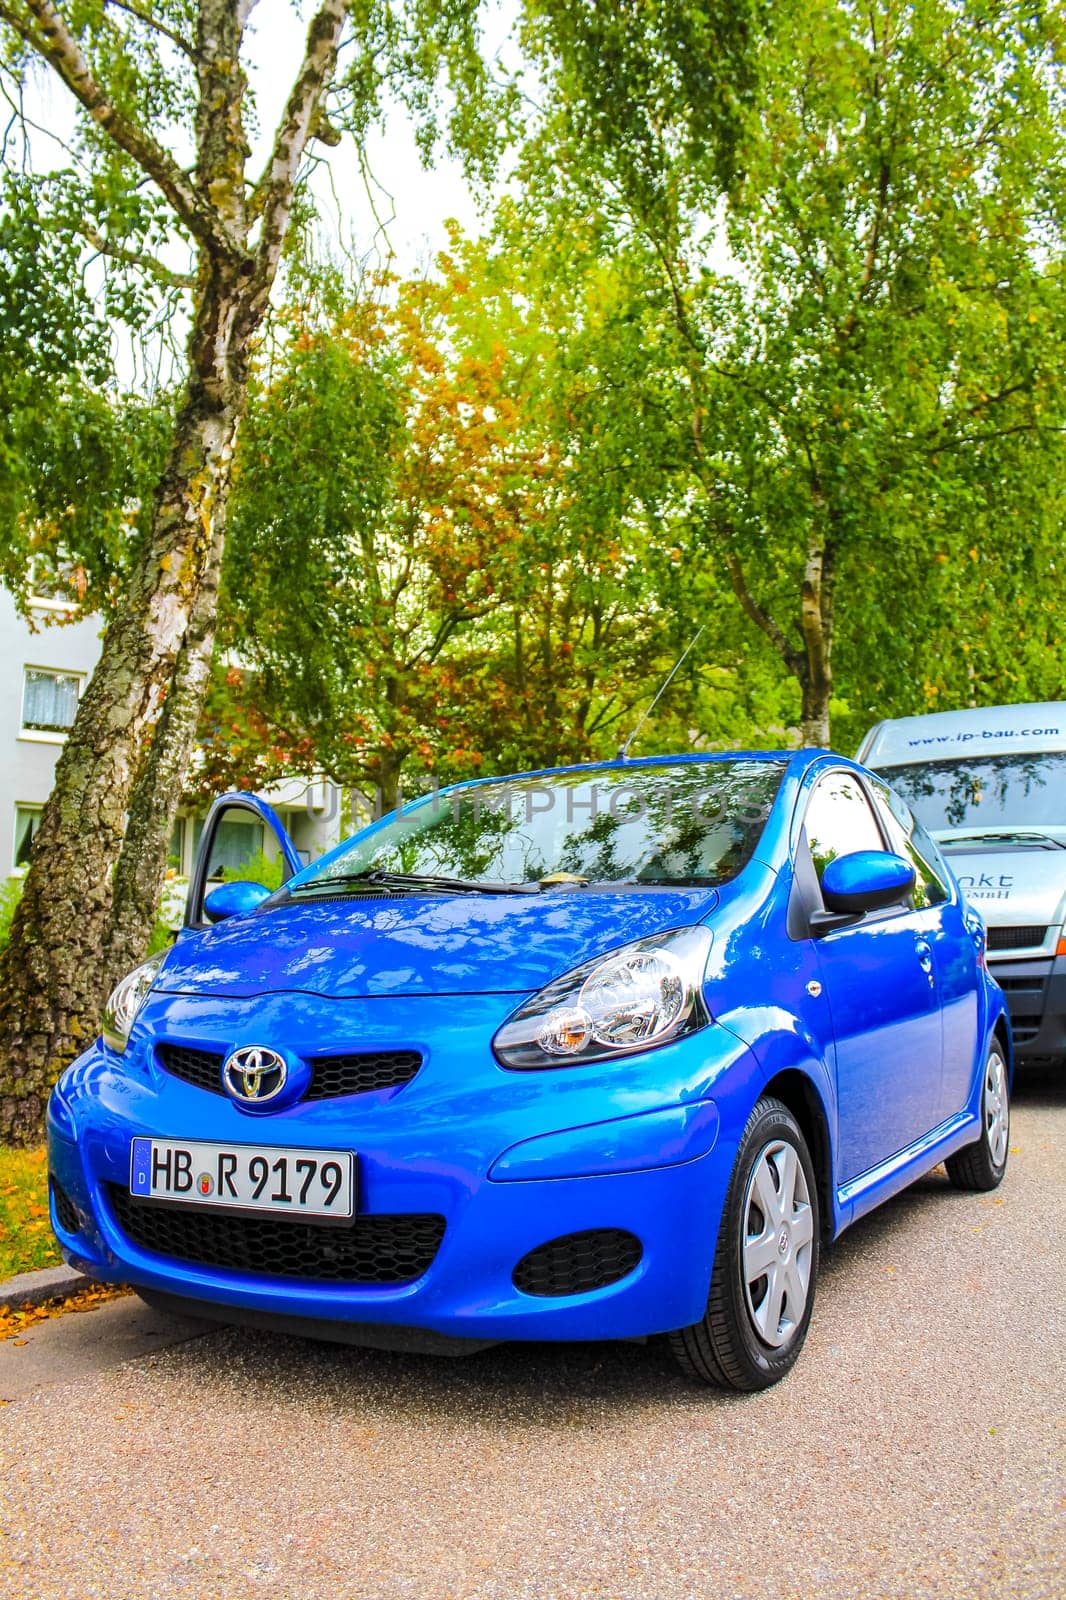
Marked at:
<point>10,894</point>
<point>78,459</point>
<point>650,95</point>
<point>891,373</point>
<point>259,868</point>
<point>469,569</point>
<point>49,322</point>
<point>93,256</point>
<point>863,391</point>
<point>27,1242</point>
<point>427,55</point>
<point>773,287</point>
<point>76,480</point>
<point>162,937</point>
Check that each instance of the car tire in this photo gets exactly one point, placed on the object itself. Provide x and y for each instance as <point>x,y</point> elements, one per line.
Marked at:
<point>980,1166</point>
<point>756,1321</point>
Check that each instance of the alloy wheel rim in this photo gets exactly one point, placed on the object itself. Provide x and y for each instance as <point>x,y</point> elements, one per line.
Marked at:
<point>778,1243</point>
<point>997,1110</point>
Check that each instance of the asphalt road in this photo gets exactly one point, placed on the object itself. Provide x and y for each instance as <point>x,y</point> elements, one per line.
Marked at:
<point>919,1449</point>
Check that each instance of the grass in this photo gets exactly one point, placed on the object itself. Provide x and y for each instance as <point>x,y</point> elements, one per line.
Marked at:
<point>26,1238</point>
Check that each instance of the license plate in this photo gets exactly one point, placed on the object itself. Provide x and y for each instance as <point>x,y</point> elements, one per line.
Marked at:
<point>247,1177</point>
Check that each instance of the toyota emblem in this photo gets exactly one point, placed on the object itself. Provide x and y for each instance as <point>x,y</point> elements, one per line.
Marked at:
<point>253,1074</point>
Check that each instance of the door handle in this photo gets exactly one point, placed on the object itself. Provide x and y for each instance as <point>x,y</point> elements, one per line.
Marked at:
<point>924,951</point>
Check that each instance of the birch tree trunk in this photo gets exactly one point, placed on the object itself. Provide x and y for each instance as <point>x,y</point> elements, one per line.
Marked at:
<point>70,936</point>
<point>816,625</point>
<point>141,866</point>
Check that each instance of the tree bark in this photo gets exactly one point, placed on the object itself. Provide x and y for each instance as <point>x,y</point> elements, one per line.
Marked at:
<point>388,795</point>
<point>816,625</point>
<point>811,666</point>
<point>814,724</point>
<point>69,935</point>
<point>141,866</point>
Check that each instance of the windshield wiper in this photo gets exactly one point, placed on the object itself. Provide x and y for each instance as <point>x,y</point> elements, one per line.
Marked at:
<point>382,878</point>
<point>971,843</point>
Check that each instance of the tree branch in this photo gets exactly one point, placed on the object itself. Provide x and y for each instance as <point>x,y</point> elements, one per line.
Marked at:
<point>874,237</point>
<point>963,439</point>
<point>153,22</point>
<point>274,192</point>
<point>135,258</point>
<point>50,37</point>
<point>754,611</point>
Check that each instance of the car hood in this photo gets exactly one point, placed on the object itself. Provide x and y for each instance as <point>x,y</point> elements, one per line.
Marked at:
<point>1013,888</point>
<point>461,944</point>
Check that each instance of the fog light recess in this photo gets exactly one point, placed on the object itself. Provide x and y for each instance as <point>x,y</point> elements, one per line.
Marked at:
<point>577,1263</point>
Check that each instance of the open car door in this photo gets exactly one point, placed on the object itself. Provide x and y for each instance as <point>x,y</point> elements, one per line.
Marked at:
<point>243,841</point>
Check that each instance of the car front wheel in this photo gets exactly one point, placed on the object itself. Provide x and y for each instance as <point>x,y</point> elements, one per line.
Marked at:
<point>980,1166</point>
<point>766,1261</point>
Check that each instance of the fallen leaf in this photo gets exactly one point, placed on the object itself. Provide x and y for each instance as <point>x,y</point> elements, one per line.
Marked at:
<point>13,1322</point>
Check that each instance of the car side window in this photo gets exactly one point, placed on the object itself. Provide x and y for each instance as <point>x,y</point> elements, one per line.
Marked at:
<point>912,842</point>
<point>839,820</point>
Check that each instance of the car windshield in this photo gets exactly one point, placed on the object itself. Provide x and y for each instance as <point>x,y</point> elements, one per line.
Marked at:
<point>985,791</point>
<point>694,823</point>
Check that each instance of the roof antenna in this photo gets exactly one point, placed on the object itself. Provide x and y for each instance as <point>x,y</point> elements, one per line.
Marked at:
<point>624,749</point>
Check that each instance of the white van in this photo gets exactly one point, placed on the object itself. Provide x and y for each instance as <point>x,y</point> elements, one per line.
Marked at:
<point>990,786</point>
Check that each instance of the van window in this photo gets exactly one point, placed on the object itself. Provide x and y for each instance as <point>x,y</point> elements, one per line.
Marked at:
<point>985,791</point>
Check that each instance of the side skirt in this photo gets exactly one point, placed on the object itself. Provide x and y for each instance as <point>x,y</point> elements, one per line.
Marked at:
<point>862,1194</point>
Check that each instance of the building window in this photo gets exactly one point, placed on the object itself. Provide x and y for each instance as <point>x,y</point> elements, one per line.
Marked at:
<point>50,700</point>
<point>237,843</point>
<point>27,821</point>
<point>58,584</point>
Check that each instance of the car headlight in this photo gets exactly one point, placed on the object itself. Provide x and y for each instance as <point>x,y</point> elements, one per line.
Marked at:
<point>645,994</point>
<point>126,1000</point>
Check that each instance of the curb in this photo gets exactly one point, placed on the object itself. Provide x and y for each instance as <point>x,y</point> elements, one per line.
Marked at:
<point>33,1288</point>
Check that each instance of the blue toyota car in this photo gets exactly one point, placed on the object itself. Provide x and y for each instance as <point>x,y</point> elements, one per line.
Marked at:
<point>594,1053</point>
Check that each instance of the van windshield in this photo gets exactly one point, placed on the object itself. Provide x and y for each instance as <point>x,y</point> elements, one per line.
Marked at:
<point>985,791</point>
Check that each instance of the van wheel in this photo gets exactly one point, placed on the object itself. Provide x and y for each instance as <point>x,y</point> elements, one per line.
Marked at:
<point>980,1166</point>
<point>765,1264</point>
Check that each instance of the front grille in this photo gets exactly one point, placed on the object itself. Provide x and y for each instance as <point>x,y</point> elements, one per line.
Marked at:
<point>331,1076</point>
<point>578,1262</point>
<point>1031,986</point>
<point>377,1248</point>
<point>66,1211</point>
<point>1015,938</point>
<point>201,1067</point>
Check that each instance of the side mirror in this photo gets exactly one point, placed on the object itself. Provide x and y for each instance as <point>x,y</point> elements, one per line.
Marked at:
<point>236,831</point>
<point>234,900</point>
<point>866,880</point>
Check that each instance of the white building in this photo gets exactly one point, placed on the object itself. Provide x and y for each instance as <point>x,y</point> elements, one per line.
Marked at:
<point>44,668</point>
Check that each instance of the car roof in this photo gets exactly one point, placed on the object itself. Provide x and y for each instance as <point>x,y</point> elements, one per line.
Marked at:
<point>973,731</point>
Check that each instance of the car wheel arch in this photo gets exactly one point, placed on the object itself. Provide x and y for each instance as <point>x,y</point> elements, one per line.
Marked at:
<point>800,1094</point>
<point>787,1063</point>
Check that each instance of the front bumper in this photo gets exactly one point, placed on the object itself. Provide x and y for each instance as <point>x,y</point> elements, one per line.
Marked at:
<point>1035,992</point>
<point>510,1161</point>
